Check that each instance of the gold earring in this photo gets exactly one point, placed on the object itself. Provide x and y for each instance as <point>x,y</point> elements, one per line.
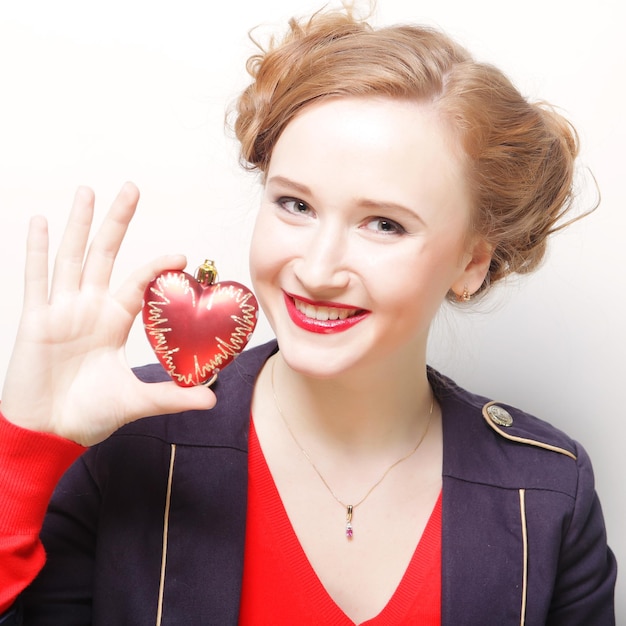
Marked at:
<point>466,296</point>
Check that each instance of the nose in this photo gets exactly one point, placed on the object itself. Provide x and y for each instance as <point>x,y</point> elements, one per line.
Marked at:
<point>322,266</point>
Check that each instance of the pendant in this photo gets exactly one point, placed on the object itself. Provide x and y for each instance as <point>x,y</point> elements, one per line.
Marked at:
<point>349,531</point>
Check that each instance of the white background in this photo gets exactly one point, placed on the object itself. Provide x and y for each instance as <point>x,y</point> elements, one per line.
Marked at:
<point>98,93</point>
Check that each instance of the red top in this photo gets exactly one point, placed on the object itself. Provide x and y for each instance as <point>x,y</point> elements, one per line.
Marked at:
<point>281,587</point>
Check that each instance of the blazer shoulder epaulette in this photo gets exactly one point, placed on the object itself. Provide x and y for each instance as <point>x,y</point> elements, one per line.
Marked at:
<point>496,443</point>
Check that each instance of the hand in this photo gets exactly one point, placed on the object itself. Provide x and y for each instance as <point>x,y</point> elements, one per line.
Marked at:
<point>68,373</point>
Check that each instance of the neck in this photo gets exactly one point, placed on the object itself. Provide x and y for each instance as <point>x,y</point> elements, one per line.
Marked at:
<point>361,412</point>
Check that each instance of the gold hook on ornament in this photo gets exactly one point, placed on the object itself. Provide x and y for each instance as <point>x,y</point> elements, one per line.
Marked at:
<point>206,274</point>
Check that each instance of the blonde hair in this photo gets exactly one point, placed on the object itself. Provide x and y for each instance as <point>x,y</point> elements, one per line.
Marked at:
<point>520,155</point>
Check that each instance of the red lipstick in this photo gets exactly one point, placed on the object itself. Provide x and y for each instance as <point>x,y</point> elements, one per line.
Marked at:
<point>328,326</point>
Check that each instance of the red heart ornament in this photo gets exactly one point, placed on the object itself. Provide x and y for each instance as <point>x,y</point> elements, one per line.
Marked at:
<point>195,326</point>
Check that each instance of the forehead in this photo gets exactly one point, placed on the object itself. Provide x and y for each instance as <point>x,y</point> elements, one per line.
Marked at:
<point>395,150</point>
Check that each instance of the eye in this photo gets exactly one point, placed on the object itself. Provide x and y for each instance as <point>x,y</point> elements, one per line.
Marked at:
<point>293,205</point>
<point>385,226</point>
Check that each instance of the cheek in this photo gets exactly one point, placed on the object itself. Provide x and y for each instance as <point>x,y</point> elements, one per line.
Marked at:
<point>420,280</point>
<point>257,256</point>
<point>268,249</point>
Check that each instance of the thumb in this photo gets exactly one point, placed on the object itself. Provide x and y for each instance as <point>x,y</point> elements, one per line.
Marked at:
<point>168,397</point>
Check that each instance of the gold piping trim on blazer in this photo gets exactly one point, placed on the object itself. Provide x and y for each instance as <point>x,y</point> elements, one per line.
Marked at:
<point>166,524</point>
<point>532,442</point>
<point>522,506</point>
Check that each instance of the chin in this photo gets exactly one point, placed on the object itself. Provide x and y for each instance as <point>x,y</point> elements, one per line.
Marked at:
<point>312,363</point>
<point>319,357</point>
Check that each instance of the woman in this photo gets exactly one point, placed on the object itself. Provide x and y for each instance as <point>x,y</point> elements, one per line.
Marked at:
<point>338,479</point>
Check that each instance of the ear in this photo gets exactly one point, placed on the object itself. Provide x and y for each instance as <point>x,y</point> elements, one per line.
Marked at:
<point>472,276</point>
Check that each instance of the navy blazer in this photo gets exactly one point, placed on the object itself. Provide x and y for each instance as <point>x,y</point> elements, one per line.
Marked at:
<point>148,527</point>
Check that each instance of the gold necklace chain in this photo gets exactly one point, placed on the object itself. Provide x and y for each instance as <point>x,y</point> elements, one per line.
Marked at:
<point>349,507</point>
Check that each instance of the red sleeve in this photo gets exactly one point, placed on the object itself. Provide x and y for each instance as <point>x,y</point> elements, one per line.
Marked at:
<point>31,464</point>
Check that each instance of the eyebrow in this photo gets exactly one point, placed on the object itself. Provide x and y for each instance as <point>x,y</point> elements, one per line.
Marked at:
<point>367,203</point>
<point>286,182</point>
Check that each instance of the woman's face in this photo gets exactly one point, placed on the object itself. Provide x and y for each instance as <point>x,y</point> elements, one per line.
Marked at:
<point>363,229</point>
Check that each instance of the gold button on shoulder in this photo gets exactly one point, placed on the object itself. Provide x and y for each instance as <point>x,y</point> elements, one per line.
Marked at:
<point>499,416</point>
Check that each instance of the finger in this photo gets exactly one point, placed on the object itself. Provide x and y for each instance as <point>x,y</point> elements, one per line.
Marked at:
<point>130,294</point>
<point>36,269</point>
<point>168,397</point>
<point>69,259</point>
<point>107,241</point>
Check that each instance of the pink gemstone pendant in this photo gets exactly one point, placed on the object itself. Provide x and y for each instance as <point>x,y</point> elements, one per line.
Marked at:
<point>349,531</point>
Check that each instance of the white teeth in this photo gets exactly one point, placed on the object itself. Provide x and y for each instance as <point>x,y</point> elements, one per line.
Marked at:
<point>323,313</point>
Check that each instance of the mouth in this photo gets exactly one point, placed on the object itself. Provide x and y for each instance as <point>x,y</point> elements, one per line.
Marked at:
<point>323,313</point>
<point>323,317</point>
